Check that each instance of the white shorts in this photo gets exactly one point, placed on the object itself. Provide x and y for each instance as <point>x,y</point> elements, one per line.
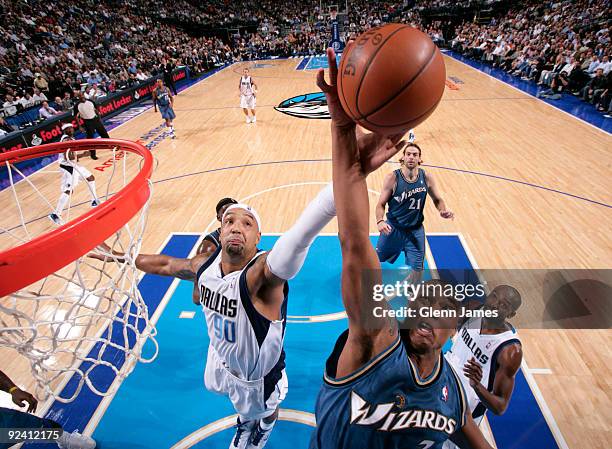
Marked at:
<point>70,180</point>
<point>247,396</point>
<point>247,101</point>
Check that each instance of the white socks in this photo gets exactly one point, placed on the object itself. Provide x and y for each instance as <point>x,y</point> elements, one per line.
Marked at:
<point>65,198</point>
<point>61,203</point>
<point>92,186</point>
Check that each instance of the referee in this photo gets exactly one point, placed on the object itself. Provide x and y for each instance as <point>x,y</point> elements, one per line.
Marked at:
<point>88,111</point>
<point>167,70</point>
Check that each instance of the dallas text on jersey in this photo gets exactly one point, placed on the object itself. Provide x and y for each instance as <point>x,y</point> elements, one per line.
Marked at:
<point>218,303</point>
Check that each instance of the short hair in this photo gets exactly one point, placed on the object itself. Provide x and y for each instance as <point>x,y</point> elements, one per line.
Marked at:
<point>411,144</point>
<point>224,202</point>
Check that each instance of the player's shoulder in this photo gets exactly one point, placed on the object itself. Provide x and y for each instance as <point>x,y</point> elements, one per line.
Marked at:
<point>200,262</point>
<point>511,354</point>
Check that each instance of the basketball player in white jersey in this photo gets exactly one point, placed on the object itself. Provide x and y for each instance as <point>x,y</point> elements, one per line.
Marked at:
<point>71,174</point>
<point>248,89</point>
<point>243,292</point>
<point>486,355</point>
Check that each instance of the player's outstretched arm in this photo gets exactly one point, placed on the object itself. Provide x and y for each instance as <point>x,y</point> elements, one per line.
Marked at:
<point>358,255</point>
<point>160,264</point>
<point>286,258</point>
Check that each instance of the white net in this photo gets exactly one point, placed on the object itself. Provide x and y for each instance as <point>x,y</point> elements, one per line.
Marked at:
<point>87,323</point>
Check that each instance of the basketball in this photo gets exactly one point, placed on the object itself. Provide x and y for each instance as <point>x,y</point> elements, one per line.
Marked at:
<point>391,78</point>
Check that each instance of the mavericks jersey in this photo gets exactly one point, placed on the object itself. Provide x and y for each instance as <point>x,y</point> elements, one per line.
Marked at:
<point>250,345</point>
<point>485,348</point>
<point>387,405</point>
<point>246,86</point>
<point>407,203</point>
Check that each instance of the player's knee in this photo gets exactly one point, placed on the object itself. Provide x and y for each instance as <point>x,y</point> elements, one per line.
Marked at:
<point>271,418</point>
<point>351,244</point>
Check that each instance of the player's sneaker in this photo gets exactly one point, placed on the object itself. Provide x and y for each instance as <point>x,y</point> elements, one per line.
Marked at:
<point>75,440</point>
<point>243,434</point>
<point>95,203</point>
<point>248,119</point>
<point>259,437</point>
<point>254,119</point>
<point>55,218</point>
<point>411,136</point>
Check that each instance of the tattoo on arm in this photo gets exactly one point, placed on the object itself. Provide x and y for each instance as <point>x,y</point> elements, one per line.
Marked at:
<point>186,275</point>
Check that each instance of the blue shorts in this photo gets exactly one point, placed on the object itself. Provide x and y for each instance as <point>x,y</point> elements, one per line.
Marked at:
<point>167,112</point>
<point>411,242</point>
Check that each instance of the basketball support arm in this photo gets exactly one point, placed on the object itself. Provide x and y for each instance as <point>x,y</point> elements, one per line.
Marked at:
<point>288,254</point>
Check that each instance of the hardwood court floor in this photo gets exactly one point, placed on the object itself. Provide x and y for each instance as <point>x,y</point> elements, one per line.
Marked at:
<point>479,134</point>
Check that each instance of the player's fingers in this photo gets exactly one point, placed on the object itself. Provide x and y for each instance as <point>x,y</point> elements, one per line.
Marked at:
<point>469,373</point>
<point>389,152</point>
<point>321,81</point>
<point>396,138</point>
<point>333,66</point>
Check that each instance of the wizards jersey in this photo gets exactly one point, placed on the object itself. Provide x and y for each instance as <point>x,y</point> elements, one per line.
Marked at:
<point>387,405</point>
<point>407,203</point>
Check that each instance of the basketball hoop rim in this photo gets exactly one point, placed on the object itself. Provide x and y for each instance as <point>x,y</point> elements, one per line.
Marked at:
<point>31,261</point>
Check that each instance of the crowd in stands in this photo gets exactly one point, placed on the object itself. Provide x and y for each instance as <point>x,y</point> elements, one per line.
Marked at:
<point>49,50</point>
<point>563,46</point>
<point>90,46</point>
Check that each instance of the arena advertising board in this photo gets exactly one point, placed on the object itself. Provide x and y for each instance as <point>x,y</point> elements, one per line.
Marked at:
<point>50,130</point>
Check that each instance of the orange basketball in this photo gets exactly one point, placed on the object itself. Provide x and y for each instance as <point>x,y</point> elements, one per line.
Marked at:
<point>391,78</point>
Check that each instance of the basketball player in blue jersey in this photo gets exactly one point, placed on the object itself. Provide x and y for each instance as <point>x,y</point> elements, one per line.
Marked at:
<point>383,388</point>
<point>163,99</point>
<point>487,354</point>
<point>405,190</point>
<point>243,292</point>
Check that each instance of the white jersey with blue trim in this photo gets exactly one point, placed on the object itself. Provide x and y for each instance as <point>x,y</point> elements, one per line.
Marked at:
<point>249,344</point>
<point>485,348</point>
<point>246,86</point>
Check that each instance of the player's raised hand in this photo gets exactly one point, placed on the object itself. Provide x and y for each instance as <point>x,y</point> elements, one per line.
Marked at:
<point>375,150</point>
<point>20,398</point>
<point>338,116</point>
<point>104,253</point>
<point>473,371</point>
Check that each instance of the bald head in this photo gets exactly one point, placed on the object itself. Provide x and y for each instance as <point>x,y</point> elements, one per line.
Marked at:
<point>509,293</point>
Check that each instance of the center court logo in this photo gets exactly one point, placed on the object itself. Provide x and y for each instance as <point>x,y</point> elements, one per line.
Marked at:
<point>313,105</point>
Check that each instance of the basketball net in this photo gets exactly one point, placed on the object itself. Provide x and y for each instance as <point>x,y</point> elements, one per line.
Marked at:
<point>87,322</point>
